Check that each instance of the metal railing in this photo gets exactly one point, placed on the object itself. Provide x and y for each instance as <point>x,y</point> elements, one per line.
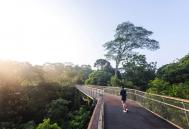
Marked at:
<point>97,118</point>
<point>173,110</point>
<point>91,92</point>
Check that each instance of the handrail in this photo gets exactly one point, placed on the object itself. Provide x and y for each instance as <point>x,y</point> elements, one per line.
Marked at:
<point>161,102</point>
<point>97,118</point>
<point>101,117</point>
<point>168,97</point>
<point>173,110</point>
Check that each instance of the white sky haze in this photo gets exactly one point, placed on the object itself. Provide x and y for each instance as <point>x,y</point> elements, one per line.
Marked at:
<point>40,31</point>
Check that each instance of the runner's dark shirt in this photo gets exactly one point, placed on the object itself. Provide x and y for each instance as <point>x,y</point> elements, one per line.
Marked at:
<point>123,94</point>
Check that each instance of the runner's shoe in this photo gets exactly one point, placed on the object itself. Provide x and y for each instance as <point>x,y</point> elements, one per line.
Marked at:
<point>124,111</point>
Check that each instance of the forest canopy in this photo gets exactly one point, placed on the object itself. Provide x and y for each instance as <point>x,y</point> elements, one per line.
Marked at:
<point>43,97</point>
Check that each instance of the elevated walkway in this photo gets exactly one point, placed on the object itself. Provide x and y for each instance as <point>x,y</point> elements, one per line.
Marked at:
<point>146,111</point>
<point>136,118</point>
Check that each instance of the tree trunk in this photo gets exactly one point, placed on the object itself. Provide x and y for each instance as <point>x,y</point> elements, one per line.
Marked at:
<point>116,69</point>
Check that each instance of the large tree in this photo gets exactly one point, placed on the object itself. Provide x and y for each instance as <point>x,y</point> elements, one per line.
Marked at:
<point>138,71</point>
<point>127,38</point>
<point>102,64</point>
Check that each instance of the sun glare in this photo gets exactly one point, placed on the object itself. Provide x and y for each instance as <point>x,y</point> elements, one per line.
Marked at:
<point>38,34</point>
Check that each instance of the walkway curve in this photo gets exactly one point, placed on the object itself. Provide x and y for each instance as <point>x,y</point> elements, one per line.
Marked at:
<point>136,118</point>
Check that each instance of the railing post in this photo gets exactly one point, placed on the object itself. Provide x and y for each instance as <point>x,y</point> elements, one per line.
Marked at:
<point>185,113</point>
<point>95,93</point>
<point>91,91</point>
<point>135,97</point>
<point>165,109</point>
<point>102,92</point>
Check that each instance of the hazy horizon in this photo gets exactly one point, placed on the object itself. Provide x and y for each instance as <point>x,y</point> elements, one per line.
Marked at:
<point>41,31</point>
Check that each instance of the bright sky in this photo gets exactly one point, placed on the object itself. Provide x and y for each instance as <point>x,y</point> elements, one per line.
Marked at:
<point>40,31</point>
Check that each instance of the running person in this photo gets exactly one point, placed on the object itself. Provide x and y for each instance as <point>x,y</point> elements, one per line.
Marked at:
<point>123,99</point>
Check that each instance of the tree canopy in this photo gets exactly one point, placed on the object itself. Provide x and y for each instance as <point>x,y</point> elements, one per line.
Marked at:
<point>176,72</point>
<point>138,71</point>
<point>25,74</point>
<point>102,64</point>
<point>99,77</point>
<point>127,38</point>
<point>172,79</point>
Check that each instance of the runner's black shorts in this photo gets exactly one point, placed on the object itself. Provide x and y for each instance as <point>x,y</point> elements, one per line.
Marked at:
<point>123,98</point>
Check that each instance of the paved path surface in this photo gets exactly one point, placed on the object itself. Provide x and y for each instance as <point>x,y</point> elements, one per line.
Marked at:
<point>136,118</point>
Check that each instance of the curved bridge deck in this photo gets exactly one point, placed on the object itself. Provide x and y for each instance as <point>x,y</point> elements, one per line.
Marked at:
<point>114,118</point>
<point>136,118</point>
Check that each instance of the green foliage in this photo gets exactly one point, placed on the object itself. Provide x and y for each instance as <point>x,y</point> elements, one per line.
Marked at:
<point>57,110</point>
<point>138,71</point>
<point>172,79</point>
<point>162,87</point>
<point>175,72</point>
<point>180,90</point>
<point>102,64</point>
<point>14,73</point>
<point>24,107</point>
<point>115,81</point>
<point>128,84</point>
<point>12,104</point>
<point>29,125</point>
<point>79,119</point>
<point>103,74</point>
<point>47,125</point>
<point>99,77</point>
<point>86,70</point>
<point>127,38</point>
<point>158,86</point>
<point>28,94</point>
<point>24,74</point>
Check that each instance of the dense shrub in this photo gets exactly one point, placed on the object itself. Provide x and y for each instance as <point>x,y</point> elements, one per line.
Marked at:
<point>115,81</point>
<point>162,87</point>
<point>47,125</point>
